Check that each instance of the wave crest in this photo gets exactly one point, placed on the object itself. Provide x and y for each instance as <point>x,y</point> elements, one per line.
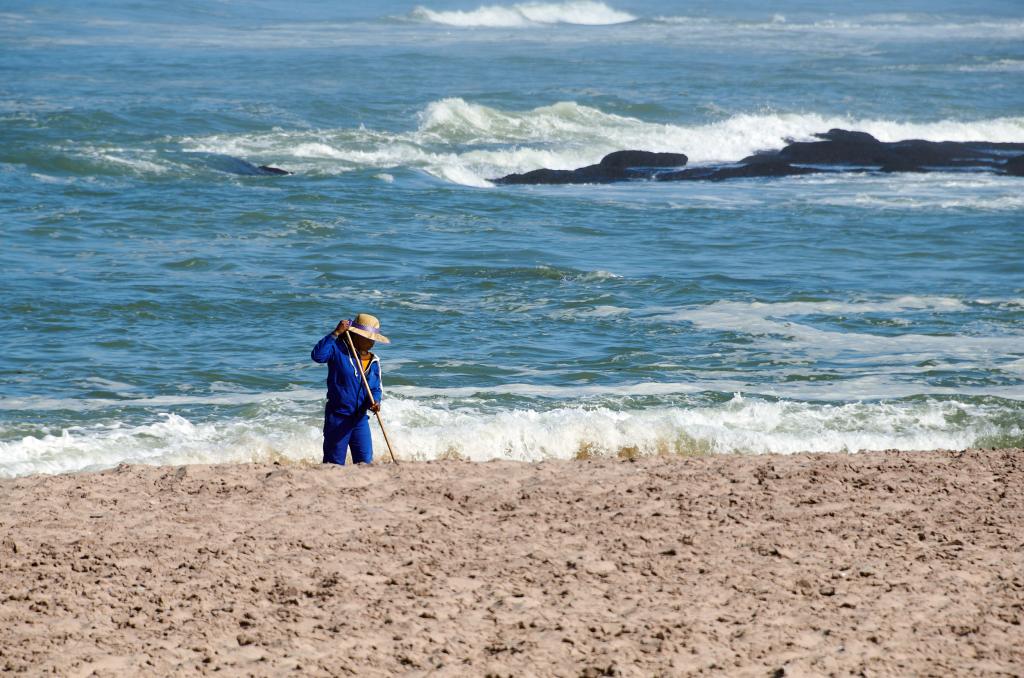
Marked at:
<point>576,12</point>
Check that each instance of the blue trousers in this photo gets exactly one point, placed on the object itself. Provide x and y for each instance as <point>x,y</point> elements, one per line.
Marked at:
<point>342,432</point>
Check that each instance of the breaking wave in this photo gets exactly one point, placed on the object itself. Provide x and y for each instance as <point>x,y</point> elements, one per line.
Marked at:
<point>438,428</point>
<point>577,12</point>
<point>469,143</point>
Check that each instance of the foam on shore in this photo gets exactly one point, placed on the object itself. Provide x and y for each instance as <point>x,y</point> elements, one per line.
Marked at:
<point>449,425</point>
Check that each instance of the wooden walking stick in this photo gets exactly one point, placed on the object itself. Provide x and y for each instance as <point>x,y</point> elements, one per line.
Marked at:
<point>362,374</point>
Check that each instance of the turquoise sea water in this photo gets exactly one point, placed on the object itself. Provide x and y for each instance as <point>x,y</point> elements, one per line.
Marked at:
<point>159,308</point>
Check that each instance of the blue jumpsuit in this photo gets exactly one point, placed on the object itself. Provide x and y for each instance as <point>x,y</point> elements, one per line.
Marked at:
<point>346,424</point>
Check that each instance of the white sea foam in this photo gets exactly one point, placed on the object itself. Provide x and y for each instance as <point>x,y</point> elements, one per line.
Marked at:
<point>934,191</point>
<point>452,133</point>
<point>781,328</point>
<point>876,384</point>
<point>596,312</point>
<point>871,27</point>
<point>1005,203</point>
<point>134,160</point>
<point>438,429</point>
<point>171,439</point>
<point>459,121</point>
<point>161,401</point>
<point>592,276</point>
<point>739,426</point>
<point>999,66</point>
<point>577,12</point>
<point>1014,367</point>
<point>47,179</point>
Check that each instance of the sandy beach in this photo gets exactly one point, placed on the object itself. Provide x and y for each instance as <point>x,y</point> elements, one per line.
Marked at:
<point>833,564</point>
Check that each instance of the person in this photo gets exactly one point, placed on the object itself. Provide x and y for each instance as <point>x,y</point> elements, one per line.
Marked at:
<point>346,422</point>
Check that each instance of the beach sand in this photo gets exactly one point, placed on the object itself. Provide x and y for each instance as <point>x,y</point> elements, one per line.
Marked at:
<point>832,564</point>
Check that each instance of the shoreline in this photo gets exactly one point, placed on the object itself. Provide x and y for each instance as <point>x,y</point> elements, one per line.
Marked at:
<point>808,564</point>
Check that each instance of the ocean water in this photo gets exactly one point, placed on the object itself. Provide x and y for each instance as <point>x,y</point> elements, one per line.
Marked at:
<point>159,308</point>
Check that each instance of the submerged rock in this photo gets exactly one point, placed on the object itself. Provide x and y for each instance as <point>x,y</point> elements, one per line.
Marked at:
<point>269,169</point>
<point>232,165</point>
<point>757,169</point>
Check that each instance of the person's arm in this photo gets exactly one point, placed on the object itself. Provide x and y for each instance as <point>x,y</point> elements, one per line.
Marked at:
<point>376,386</point>
<point>326,347</point>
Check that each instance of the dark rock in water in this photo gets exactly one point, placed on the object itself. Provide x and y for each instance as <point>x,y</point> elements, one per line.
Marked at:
<point>763,169</point>
<point>757,169</point>
<point>617,166</point>
<point>1015,166</point>
<point>846,136</point>
<point>548,176</point>
<point>841,147</point>
<point>837,147</point>
<point>835,153</point>
<point>268,169</point>
<point>902,165</point>
<point>642,159</point>
<point>837,150</point>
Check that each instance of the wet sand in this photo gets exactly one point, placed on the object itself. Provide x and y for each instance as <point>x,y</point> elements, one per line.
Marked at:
<point>873,564</point>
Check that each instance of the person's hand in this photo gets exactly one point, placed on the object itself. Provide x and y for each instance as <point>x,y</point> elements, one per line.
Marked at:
<point>375,407</point>
<point>341,329</point>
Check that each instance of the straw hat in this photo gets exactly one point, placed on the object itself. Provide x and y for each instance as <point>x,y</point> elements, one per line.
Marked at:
<point>366,325</point>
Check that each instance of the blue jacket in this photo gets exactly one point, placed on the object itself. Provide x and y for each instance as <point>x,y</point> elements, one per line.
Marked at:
<point>345,391</point>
